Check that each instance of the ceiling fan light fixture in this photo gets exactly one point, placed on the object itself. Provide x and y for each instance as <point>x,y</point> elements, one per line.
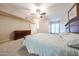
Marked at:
<point>38,16</point>
<point>38,11</point>
<point>41,16</point>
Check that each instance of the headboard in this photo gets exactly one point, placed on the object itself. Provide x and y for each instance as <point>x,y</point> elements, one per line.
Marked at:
<point>73,25</point>
<point>21,33</point>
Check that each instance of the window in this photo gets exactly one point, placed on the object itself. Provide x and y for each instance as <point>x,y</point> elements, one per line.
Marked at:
<point>55,27</point>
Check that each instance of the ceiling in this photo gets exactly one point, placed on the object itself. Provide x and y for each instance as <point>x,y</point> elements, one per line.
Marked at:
<point>30,8</point>
<point>27,10</point>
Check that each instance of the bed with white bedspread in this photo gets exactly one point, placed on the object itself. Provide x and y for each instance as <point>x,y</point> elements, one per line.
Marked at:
<point>44,44</point>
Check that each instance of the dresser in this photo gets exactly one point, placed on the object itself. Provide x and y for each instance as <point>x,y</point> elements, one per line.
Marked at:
<point>21,33</point>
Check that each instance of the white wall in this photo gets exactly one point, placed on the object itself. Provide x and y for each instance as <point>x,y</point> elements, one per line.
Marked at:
<point>62,27</point>
<point>33,28</point>
<point>9,8</point>
<point>43,26</point>
<point>60,11</point>
<point>10,24</point>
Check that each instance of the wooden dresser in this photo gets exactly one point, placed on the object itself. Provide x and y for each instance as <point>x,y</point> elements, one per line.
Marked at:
<point>21,33</point>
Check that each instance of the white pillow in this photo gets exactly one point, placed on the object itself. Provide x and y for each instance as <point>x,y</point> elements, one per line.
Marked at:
<point>66,36</point>
<point>71,39</point>
<point>74,43</point>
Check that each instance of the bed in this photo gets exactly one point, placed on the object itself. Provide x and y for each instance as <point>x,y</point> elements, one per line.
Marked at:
<point>47,45</point>
<point>65,44</point>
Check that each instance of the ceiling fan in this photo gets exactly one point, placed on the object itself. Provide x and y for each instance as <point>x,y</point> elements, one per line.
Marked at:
<point>39,13</point>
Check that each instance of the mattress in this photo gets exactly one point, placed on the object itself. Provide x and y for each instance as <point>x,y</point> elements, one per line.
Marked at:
<point>47,45</point>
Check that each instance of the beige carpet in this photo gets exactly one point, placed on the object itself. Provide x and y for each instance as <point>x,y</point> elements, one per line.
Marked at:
<point>13,48</point>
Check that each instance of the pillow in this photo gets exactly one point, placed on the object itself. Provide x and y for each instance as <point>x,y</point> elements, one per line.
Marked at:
<point>66,36</point>
<point>74,43</point>
<point>65,33</point>
<point>71,39</point>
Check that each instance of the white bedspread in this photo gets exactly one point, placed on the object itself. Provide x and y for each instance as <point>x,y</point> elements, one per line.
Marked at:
<point>47,45</point>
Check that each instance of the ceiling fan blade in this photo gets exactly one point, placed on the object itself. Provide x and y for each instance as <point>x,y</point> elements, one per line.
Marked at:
<point>43,13</point>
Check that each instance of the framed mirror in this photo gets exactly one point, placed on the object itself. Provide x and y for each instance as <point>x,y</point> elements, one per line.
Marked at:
<point>72,12</point>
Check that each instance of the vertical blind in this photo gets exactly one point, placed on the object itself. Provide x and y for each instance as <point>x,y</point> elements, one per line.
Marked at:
<point>55,27</point>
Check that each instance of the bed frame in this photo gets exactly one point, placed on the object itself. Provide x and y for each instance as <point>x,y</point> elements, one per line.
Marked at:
<point>73,25</point>
<point>21,33</point>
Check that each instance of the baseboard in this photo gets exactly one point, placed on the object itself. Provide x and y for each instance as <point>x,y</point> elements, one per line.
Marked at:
<point>4,41</point>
